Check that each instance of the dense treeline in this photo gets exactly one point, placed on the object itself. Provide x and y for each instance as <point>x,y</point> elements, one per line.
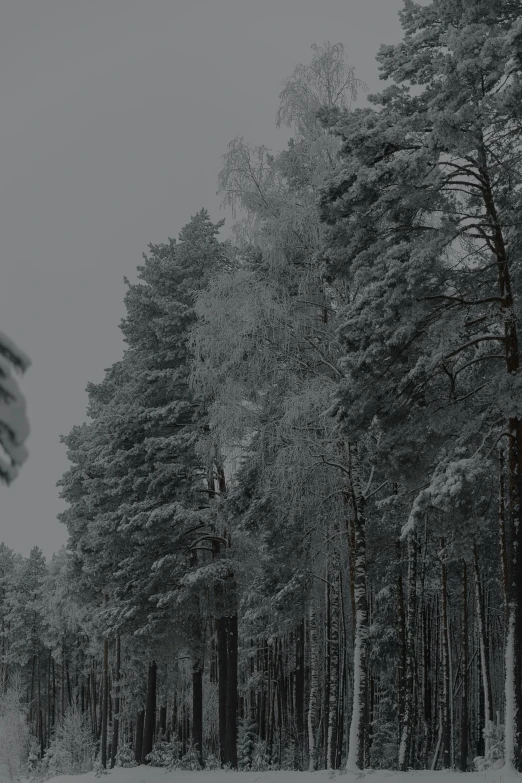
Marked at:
<point>294,514</point>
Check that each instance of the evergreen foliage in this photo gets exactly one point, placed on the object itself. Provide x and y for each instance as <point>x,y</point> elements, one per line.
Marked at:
<point>294,514</point>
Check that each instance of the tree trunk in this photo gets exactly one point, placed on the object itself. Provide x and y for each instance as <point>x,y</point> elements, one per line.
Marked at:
<point>116,715</point>
<point>333,649</point>
<point>39,717</point>
<point>197,708</point>
<point>300,686</point>
<point>464,719</point>
<point>405,749</point>
<point>401,633</point>
<point>93,701</point>
<point>221,632</point>
<point>513,646</point>
<point>483,647</point>
<point>138,745</point>
<point>231,714</point>
<point>446,680</point>
<point>357,728</point>
<point>162,728</point>
<point>53,708</point>
<point>503,534</point>
<point>314,685</point>
<point>105,703</point>
<point>62,689</point>
<point>150,713</point>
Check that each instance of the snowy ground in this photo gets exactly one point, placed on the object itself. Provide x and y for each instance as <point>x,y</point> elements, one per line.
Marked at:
<point>156,775</point>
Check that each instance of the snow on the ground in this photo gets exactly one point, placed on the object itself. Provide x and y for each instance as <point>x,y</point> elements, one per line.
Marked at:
<point>145,774</point>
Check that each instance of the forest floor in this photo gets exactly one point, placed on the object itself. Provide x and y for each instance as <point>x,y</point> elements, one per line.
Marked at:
<point>145,774</point>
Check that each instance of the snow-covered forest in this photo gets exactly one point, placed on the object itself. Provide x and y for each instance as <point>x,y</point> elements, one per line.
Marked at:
<point>294,513</point>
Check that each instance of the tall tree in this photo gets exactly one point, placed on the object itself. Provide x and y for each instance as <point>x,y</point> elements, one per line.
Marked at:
<point>423,225</point>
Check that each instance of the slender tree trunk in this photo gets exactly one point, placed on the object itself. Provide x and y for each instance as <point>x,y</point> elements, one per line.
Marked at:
<point>357,728</point>
<point>427,684</point>
<point>62,684</point>
<point>513,646</point>
<point>227,641</point>
<point>221,633</point>
<point>401,634</point>
<point>93,702</point>
<point>162,730</point>
<point>464,716</point>
<point>446,681</point>
<point>314,685</point>
<point>116,716</point>
<point>39,704</point>
<point>197,707</point>
<point>483,647</point>
<point>231,716</point>
<point>138,744</point>
<point>105,702</point>
<point>300,686</point>
<point>333,647</point>
<point>150,713</point>
<point>325,706</point>
<point>53,709</point>
<point>49,700</point>
<point>405,749</point>
<point>503,534</point>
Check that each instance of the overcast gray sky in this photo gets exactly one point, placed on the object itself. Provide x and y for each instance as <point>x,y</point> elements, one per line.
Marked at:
<point>114,116</point>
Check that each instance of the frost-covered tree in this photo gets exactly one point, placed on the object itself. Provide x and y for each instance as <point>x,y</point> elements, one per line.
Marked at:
<point>266,360</point>
<point>136,487</point>
<point>14,731</point>
<point>424,231</point>
<point>72,749</point>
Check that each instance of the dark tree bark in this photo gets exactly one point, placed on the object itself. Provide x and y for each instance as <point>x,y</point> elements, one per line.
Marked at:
<point>138,744</point>
<point>221,632</point>
<point>116,717</point>
<point>231,714</point>
<point>197,708</point>
<point>446,682</point>
<point>334,614</point>
<point>401,633</point>
<point>105,702</point>
<point>503,534</point>
<point>487,697</point>
<point>405,750</point>
<point>464,718</point>
<point>62,683</point>
<point>300,688</point>
<point>150,713</point>
<point>162,720</point>
<point>513,679</point>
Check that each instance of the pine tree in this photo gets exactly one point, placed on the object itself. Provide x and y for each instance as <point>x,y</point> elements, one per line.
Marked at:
<point>135,487</point>
<point>423,226</point>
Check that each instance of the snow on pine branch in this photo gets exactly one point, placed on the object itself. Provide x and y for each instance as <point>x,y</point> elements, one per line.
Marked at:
<point>11,351</point>
<point>14,426</point>
<point>449,483</point>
